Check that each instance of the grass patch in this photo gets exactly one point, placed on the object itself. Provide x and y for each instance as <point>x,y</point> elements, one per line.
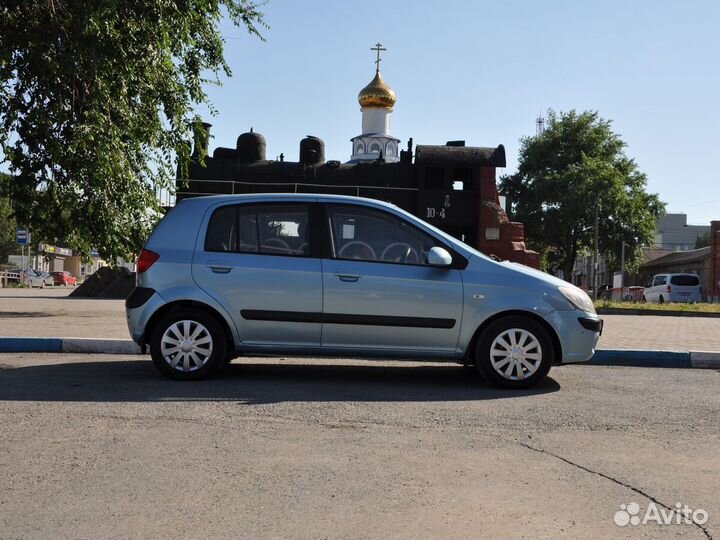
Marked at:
<point>676,306</point>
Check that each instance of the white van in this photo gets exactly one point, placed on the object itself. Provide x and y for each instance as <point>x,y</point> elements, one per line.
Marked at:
<point>673,288</point>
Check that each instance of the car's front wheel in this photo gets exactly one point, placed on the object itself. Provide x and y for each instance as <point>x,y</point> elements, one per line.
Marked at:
<point>188,344</point>
<point>514,352</point>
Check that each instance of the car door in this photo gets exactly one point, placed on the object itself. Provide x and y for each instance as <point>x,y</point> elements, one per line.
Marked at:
<point>255,260</point>
<point>34,279</point>
<point>658,287</point>
<point>379,292</point>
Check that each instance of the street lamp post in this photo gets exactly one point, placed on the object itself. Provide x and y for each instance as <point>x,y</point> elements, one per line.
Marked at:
<point>622,267</point>
<point>596,254</point>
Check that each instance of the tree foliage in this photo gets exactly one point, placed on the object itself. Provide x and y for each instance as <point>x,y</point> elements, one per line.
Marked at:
<point>703,240</point>
<point>577,164</point>
<point>97,99</point>
<point>7,222</point>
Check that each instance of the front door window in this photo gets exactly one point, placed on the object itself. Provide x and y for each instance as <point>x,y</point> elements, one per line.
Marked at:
<point>364,234</point>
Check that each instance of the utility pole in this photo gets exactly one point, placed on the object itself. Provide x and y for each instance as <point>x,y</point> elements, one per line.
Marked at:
<point>622,268</point>
<point>595,254</point>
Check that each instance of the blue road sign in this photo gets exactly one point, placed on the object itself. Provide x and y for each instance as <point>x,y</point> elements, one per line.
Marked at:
<point>22,236</point>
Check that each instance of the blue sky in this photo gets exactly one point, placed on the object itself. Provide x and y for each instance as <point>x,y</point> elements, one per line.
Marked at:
<point>483,71</point>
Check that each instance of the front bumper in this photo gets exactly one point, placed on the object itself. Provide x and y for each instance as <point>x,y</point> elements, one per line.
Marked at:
<point>594,325</point>
<point>578,332</point>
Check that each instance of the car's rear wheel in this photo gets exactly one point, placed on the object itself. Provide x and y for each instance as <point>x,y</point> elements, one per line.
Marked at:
<point>188,344</point>
<point>514,352</point>
<point>662,300</point>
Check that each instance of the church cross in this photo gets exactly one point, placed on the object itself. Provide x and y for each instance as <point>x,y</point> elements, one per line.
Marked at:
<point>378,47</point>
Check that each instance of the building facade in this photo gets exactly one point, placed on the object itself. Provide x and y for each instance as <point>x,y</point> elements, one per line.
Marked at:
<point>672,232</point>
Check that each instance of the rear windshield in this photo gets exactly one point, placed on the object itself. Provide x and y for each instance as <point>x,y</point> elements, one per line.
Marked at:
<point>685,281</point>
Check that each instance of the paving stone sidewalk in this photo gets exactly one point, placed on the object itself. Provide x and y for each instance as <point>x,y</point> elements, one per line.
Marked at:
<point>51,313</point>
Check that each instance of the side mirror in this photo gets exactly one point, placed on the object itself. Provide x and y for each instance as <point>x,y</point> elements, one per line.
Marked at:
<point>438,256</point>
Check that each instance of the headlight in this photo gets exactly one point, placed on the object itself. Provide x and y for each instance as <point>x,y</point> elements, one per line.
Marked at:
<point>577,298</point>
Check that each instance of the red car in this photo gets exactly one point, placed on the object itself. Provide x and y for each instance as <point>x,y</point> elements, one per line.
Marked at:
<point>64,278</point>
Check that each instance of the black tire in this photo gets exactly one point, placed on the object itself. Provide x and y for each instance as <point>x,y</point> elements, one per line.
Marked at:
<point>643,300</point>
<point>662,300</point>
<point>206,360</point>
<point>534,343</point>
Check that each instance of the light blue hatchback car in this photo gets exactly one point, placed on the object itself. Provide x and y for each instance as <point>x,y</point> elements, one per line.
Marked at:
<point>227,275</point>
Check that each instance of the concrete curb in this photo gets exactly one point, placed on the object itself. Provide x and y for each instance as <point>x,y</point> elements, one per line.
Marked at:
<point>624,357</point>
<point>656,312</point>
<point>100,346</point>
<point>30,344</point>
<point>609,357</point>
<point>705,359</point>
<point>671,359</point>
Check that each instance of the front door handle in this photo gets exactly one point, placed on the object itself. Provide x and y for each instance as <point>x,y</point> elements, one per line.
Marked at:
<point>348,277</point>
<point>220,268</point>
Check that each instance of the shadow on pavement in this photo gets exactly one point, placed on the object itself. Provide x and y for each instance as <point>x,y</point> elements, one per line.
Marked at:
<point>139,381</point>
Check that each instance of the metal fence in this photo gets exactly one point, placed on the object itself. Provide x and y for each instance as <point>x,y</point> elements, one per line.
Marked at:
<point>232,187</point>
<point>8,277</point>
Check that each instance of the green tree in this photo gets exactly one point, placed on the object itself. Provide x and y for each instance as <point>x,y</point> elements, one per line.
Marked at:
<point>97,99</point>
<point>703,240</point>
<point>576,165</point>
<point>7,221</point>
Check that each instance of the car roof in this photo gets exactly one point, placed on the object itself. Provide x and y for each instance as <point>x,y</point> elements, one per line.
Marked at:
<point>284,197</point>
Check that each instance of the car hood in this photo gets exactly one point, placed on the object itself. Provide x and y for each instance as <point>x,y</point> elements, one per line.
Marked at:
<point>548,279</point>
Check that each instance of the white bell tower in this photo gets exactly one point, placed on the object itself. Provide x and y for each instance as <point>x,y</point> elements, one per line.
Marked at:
<point>376,100</point>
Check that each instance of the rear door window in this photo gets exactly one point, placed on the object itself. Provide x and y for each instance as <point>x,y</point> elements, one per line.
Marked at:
<point>660,280</point>
<point>280,229</point>
<point>685,281</point>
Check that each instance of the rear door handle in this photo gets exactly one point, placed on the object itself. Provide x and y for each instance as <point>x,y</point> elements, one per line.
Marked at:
<point>348,277</point>
<point>219,268</point>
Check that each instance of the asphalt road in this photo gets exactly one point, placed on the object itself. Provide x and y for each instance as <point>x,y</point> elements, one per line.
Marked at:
<point>104,447</point>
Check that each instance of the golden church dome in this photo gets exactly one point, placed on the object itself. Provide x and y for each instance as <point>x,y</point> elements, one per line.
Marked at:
<point>377,94</point>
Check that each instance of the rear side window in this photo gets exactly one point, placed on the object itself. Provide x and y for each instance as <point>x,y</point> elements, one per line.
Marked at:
<point>685,281</point>
<point>221,230</point>
<point>265,229</point>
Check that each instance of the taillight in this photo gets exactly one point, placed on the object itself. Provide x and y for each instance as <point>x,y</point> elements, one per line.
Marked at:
<point>146,260</point>
<point>669,289</point>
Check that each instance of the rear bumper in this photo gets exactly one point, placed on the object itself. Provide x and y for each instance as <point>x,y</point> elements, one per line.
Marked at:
<point>139,308</point>
<point>138,297</point>
<point>679,297</point>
